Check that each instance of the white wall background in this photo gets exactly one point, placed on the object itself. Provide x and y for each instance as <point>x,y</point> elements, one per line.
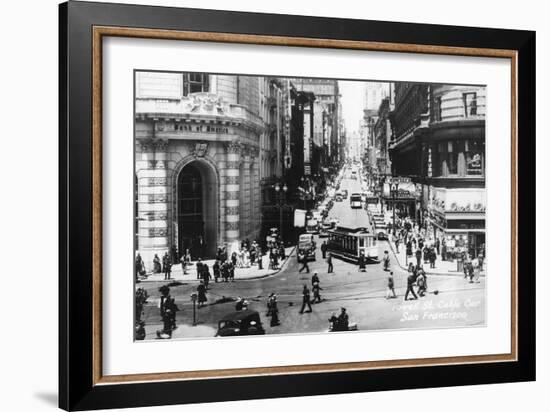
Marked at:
<point>28,178</point>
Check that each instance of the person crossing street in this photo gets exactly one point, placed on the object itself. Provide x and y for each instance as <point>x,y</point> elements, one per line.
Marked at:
<point>306,300</point>
<point>411,279</point>
<point>303,259</point>
<point>330,268</point>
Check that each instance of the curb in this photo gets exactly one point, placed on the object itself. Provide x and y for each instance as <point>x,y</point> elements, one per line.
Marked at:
<point>263,276</point>
<point>272,273</point>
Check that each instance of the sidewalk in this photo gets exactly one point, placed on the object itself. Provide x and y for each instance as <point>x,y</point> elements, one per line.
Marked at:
<point>448,268</point>
<point>240,273</point>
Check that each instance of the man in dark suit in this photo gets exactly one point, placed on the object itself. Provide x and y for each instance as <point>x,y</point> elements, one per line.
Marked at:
<point>411,279</point>
<point>330,268</point>
<point>306,300</point>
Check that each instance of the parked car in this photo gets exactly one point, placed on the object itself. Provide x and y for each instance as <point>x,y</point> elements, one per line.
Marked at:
<point>240,323</point>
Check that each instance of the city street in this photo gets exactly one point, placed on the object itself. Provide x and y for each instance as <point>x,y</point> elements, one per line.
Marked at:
<point>451,301</point>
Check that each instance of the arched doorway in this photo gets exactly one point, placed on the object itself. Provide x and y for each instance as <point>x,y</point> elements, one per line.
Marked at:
<point>197,206</point>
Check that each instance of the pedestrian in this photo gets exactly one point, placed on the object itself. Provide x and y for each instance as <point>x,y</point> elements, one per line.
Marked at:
<point>199,268</point>
<point>421,282</point>
<point>168,309</point>
<point>276,259</point>
<point>477,269</point>
<point>481,260</point>
<point>386,260</point>
<point>324,249</point>
<point>437,245</point>
<point>343,320</point>
<point>216,270</point>
<point>409,249</point>
<point>156,264</point>
<point>411,279</point>
<point>253,256</point>
<point>224,271</point>
<point>303,259</point>
<point>362,262</point>
<point>166,266</point>
<point>231,272</point>
<point>317,292</point>
<point>306,300</point>
<point>183,264</point>
<point>140,330</point>
<point>426,254</point>
<point>418,257</point>
<point>465,262</point>
<point>314,278</point>
<point>391,286</point>
<point>443,250</point>
<point>282,252</point>
<point>234,258</point>
<point>471,271</point>
<point>260,258</point>
<point>330,268</point>
<point>174,254</point>
<point>201,290</point>
<point>432,257</point>
<point>206,275</point>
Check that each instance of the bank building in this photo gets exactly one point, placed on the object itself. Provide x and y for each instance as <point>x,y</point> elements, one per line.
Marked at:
<point>197,164</point>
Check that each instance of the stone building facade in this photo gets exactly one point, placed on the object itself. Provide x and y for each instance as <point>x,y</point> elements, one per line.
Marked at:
<point>197,162</point>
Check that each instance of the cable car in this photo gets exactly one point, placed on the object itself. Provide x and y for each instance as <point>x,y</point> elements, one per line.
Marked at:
<point>355,201</point>
<point>349,243</point>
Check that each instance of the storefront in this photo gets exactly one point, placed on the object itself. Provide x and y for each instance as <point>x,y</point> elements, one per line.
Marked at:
<point>405,200</point>
<point>458,217</point>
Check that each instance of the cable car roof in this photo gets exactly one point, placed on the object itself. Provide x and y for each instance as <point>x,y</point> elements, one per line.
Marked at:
<point>341,230</point>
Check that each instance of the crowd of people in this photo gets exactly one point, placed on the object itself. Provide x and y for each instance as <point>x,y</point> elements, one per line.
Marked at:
<point>426,250</point>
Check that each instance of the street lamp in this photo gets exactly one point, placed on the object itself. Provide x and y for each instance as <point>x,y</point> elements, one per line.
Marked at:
<point>281,193</point>
<point>194,300</point>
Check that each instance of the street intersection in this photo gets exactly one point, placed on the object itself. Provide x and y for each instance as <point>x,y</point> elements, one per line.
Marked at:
<point>451,300</point>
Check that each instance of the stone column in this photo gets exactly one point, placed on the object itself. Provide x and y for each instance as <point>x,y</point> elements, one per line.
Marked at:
<point>246,215</point>
<point>153,201</point>
<point>255,195</point>
<point>232,196</point>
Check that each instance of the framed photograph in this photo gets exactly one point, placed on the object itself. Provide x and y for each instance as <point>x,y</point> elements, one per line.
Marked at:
<point>257,206</point>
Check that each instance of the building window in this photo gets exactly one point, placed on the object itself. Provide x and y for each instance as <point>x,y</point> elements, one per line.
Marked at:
<point>474,154</point>
<point>437,109</point>
<point>195,83</point>
<point>452,158</point>
<point>470,104</point>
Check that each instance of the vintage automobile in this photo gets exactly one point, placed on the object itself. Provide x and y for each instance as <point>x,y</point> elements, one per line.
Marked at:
<point>240,323</point>
<point>323,230</point>
<point>307,246</point>
<point>312,226</point>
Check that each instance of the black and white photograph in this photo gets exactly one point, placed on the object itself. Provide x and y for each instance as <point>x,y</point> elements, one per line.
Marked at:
<point>306,205</point>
